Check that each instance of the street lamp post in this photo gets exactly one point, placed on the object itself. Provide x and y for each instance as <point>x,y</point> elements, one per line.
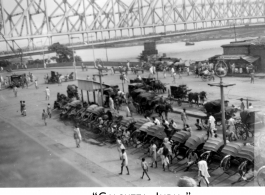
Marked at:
<point>221,71</point>
<point>42,45</point>
<point>106,51</point>
<point>74,64</point>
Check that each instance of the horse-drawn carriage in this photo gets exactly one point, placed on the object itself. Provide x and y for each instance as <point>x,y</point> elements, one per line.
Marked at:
<point>17,80</point>
<point>214,108</point>
<point>65,78</point>
<point>54,78</point>
<point>206,75</point>
<point>179,93</point>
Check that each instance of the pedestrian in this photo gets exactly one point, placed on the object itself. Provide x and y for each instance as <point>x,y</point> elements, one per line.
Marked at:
<point>153,153</point>
<point>120,146</point>
<point>242,105</point>
<point>156,121</point>
<point>184,117</point>
<point>165,72</point>
<point>203,174</point>
<point>145,169</point>
<point>231,130</point>
<point>49,110</point>
<point>212,125</point>
<point>165,160</point>
<point>128,112</point>
<point>188,71</point>
<point>180,77</point>
<point>172,71</point>
<point>24,112</point>
<point>250,106</point>
<point>48,93</point>
<point>124,162</point>
<point>44,117</point>
<point>174,77</point>
<point>77,136</point>
<point>15,90</point>
<point>252,76</point>
<point>36,84</point>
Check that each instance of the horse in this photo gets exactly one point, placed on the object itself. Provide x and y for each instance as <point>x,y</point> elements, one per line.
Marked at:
<point>196,97</point>
<point>163,108</point>
<point>193,96</point>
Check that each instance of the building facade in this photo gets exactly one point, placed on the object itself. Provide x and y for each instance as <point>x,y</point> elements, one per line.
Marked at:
<point>245,56</point>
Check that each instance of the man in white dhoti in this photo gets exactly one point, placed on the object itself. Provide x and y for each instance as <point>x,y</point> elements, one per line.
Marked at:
<point>153,153</point>
<point>111,104</point>
<point>203,174</point>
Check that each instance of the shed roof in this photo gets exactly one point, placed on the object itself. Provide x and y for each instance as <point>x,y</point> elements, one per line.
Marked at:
<point>90,85</point>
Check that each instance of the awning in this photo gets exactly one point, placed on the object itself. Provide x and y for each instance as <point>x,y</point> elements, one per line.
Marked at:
<point>249,59</point>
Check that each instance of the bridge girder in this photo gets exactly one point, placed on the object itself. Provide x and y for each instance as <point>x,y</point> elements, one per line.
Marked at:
<point>33,19</point>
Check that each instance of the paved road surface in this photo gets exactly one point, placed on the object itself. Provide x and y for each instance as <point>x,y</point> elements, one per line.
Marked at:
<point>94,164</point>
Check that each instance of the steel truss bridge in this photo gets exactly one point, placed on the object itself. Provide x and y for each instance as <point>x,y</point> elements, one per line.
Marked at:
<point>114,21</point>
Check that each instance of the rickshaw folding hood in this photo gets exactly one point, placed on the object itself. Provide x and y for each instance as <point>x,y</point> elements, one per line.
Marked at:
<point>181,136</point>
<point>232,148</point>
<point>213,144</point>
<point>246,152</point>
<point>145,126</point>
<point>194,141</point>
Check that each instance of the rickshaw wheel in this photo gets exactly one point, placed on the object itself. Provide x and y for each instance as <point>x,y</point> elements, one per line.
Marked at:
<point>261,176</point>
<point>227,165</point>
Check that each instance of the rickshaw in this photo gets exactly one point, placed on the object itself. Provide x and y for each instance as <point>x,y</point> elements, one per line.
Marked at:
<point>138,135</point>
<point>86,115</point>
<point>249,121</point>
<point>212,148</point>
<point>242,156</point>
<point>179,140</point>
<point>193,143</point>
<point>68,108</point>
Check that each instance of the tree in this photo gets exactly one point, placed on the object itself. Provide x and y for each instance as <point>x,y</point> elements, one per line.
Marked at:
<point>64,54</point>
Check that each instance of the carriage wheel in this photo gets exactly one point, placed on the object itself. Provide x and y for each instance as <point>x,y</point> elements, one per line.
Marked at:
<point>227,165</point>
<point>241,132</point>
<point>261,176</point>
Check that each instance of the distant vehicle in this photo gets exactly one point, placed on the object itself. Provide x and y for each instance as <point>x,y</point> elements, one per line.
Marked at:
<point>189,43</point>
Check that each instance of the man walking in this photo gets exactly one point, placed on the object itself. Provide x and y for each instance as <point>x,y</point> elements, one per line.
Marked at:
<point>120,146</point>
<point>77,136</point>
<point>124,162</point>
<point>184,117</point>
<point>44,117</point>
<point>145,169</point>
<point>252,76</point>
<point>153,153</point>
<point>203,174</point>
<point>15,90</point>
<point>36,84</point>
<point>23,107</point>
<point>49,110</point>
<point>47,92</point>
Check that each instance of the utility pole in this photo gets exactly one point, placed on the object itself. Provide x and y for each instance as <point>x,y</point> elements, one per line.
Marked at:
<point>221,72</point>
<point>100,80</point>
<point>106,51</point>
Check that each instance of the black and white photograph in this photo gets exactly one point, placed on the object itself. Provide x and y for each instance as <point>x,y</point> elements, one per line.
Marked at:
<point>132,93</point>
